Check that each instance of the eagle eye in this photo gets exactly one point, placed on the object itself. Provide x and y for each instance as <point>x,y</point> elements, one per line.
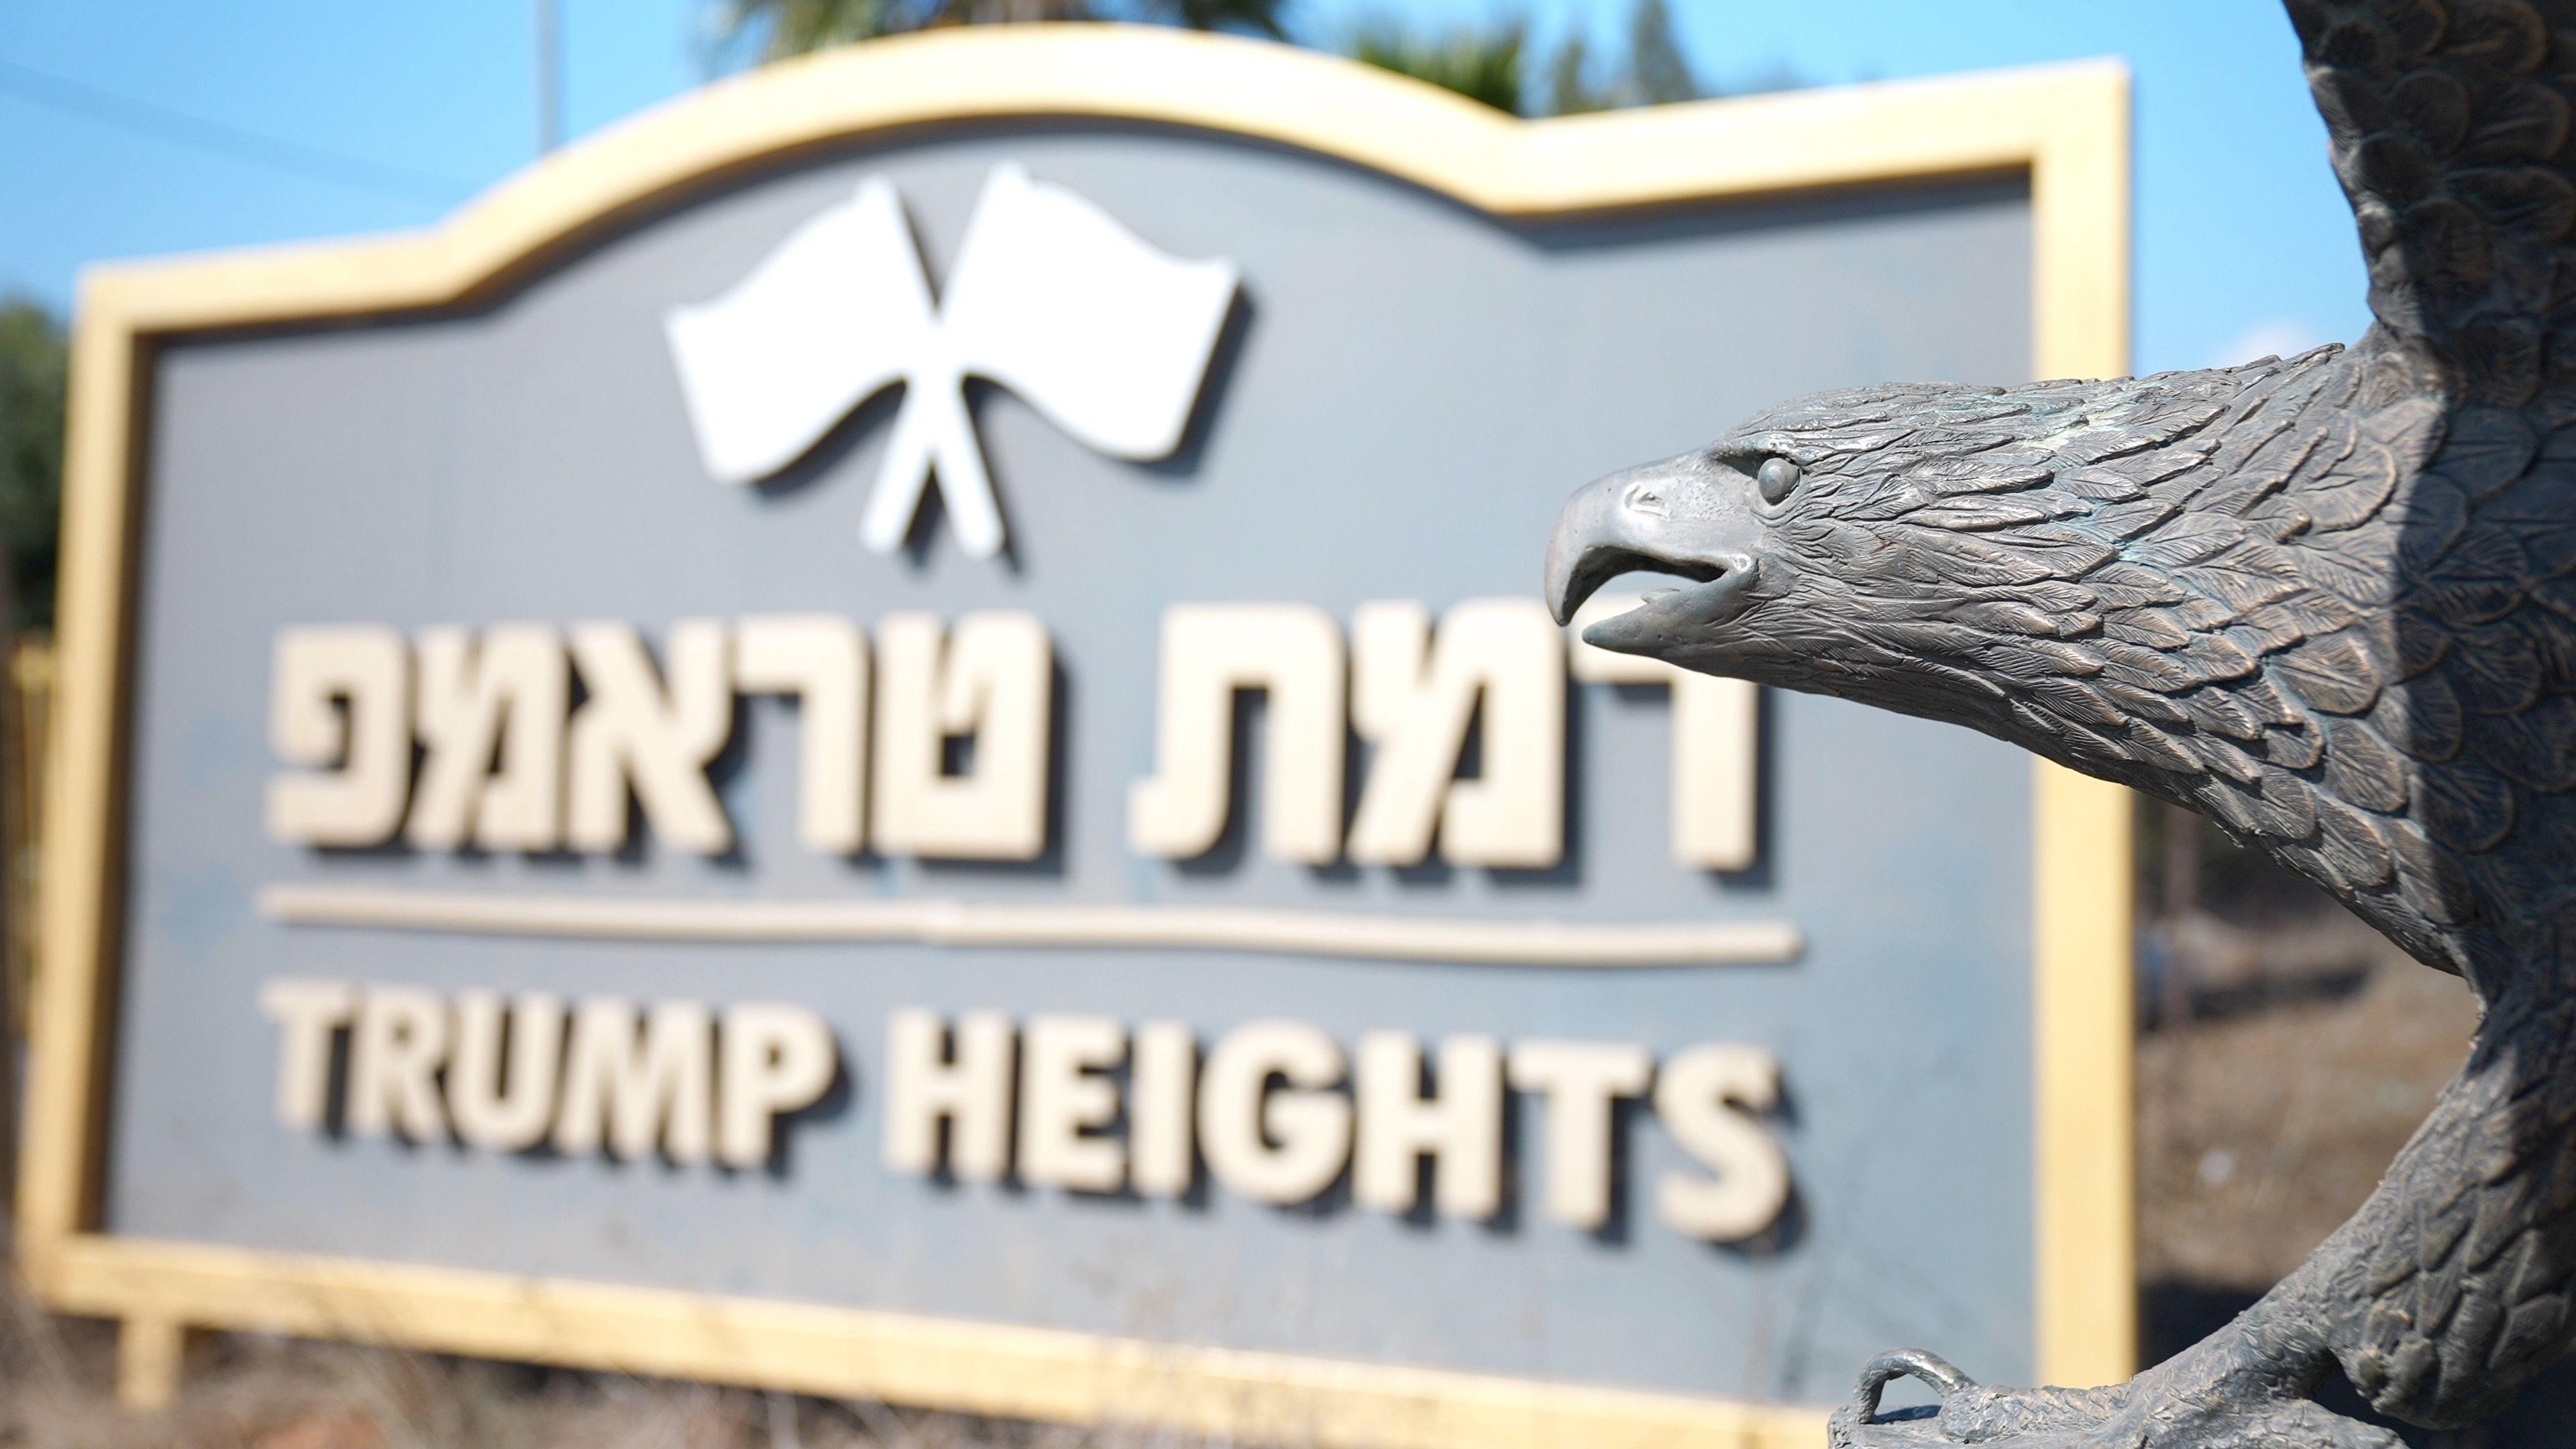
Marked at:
<point>1776,478</point>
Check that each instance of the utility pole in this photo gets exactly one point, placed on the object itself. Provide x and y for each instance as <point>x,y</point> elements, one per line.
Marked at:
<point>549,75</point>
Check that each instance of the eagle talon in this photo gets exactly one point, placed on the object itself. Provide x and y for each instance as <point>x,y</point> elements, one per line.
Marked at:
<point>1888,1367</point>
<point>2207,1399</point>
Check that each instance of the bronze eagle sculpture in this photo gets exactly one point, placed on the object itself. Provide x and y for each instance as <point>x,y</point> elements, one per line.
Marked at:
<point>2328,601</point>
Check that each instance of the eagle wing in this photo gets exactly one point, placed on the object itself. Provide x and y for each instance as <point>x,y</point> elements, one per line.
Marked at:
<point>2449,127</point>
<point>2402,569</point>
<point>2450,123</point>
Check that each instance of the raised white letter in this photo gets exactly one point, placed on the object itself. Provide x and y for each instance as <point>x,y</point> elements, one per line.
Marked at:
<point>970,1091</point>
<point>507,693</point>
<point>772,1059</point>
<point>1280,1146</point>
<point>630,732</point>
<point>1706,1098</point>
<point>995,684</point>
<point>1459,1127</point>
<point>307,1013</point>
<point>1415,699</point>
<point>339,703</point>
<point>1065,1099</point>
<point>1716,728</point>
<point>1161,1155</point>
<point>655,1089</point>
<point>1581,1080</point>
<point>395,1052</point>
<point>824,663</point>
<point>505,1110</point>
<point>1293,652</point>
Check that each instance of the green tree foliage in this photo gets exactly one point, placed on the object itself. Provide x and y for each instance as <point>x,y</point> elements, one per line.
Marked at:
<point>1570,91</point>
<point>1654,72</point>
<point>1658,72</point>
<point>782,28</point>
<point>1495,63</point>
<point>33,365</point>
<point>1480,63</point>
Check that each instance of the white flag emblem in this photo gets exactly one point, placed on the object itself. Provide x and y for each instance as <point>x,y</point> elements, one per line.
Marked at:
<point>1050,297</point>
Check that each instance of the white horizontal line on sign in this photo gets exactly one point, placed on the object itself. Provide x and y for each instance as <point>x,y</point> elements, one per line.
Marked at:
<point>963,923</point>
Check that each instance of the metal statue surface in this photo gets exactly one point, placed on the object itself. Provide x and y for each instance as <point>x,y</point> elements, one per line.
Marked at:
<point>2329,602</point>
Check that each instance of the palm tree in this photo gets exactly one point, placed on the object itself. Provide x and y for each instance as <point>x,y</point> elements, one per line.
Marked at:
<point>794,27</point>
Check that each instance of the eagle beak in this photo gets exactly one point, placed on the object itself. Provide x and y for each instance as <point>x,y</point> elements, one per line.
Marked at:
<point>1676,517</point>
<point>1597,539</point>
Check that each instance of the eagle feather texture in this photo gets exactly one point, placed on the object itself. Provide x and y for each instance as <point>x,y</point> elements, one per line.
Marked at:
<point>2176,577</point>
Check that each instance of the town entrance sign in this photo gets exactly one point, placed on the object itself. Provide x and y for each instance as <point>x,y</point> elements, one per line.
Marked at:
<point>887,733</point>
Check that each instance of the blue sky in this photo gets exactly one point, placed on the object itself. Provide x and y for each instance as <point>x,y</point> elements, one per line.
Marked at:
<point>153,126</point>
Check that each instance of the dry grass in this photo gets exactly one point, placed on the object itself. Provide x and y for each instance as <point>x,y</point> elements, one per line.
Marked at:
<point>254,1393</point>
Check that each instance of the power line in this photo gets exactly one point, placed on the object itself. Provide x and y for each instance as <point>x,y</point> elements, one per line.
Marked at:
<point>314,163</point>
<point>549,60</point>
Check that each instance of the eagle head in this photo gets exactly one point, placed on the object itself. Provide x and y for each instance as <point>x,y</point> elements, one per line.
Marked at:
<point>1934,549</point>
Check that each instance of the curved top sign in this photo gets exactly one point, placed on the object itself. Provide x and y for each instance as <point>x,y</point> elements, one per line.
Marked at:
<point>1208,950</point>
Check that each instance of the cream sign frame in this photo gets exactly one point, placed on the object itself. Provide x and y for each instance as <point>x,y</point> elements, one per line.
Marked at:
<point>2064,128</point>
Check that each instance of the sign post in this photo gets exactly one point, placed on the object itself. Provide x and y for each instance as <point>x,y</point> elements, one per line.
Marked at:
<point>887,734</point>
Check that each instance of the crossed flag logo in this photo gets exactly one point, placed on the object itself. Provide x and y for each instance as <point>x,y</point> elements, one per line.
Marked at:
<point>1106,336</point>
